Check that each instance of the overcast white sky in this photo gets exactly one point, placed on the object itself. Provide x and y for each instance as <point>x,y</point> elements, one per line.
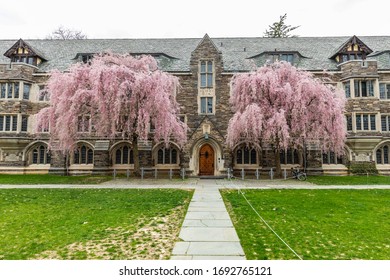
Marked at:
<point>187,18</point>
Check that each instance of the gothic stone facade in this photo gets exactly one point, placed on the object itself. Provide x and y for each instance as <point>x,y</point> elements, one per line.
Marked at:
<point>360,66</point>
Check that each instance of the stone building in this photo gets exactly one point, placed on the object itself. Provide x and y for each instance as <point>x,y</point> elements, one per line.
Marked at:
<point>204,66</point>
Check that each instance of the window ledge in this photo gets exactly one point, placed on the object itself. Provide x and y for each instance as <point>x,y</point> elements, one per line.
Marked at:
<point>123,166</point>
<point>167,166</point>
<point>247,166</point>
<point>39,166</point>
<point>333,166</point>
<point>289,166</point>
<point>80,166</point>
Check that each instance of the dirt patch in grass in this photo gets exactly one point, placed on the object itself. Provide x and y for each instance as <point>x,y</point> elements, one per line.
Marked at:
<point>151,240</point>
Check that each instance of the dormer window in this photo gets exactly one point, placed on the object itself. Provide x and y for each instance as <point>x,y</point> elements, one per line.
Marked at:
<point>351,56</point>
<point>25,59</point>
<point>86,58</point>
<point>21,52</point>
<point>353,49</point>
<point>288,57</point>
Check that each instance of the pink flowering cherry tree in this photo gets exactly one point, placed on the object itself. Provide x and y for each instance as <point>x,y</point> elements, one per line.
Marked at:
<point>281,106</point>
<point>120,95</point>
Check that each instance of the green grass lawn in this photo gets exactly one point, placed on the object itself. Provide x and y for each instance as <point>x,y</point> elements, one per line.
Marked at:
<point>317,224</point>
<point>349,180</point>
<point>35,179</point>
<point>90,223</point>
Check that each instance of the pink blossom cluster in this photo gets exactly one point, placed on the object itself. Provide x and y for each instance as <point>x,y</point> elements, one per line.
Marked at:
<point>122,96</point>
<point>286,107</point>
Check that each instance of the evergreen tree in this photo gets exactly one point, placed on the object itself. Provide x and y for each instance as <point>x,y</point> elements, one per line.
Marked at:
<point>279,29</point>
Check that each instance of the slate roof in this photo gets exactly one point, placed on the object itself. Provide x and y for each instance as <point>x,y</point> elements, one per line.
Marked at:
<point>314,51</point>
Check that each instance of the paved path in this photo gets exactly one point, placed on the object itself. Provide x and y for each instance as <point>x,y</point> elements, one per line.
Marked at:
<point>207,231</point>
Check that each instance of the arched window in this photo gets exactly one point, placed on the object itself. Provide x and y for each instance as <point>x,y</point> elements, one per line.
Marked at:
<point>124,155</point>
<point>331,158</point>
<point>83,155</point>
<point>382,155</point>
<point>289,156</point>
<point>167,156</point>
<point>246,155</point>
<point>40,155</point>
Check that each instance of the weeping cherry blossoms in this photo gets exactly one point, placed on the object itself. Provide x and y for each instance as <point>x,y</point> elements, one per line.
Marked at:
<point>120,95</point>
<point>281,106</point>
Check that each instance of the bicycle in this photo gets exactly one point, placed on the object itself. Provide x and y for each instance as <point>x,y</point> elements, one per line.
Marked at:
<point>299,175</point>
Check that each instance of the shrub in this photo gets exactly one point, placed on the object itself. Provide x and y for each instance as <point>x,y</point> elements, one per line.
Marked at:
<point>363,168</point>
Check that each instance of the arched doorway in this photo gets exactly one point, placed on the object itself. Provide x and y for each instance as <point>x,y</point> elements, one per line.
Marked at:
<point>206,160</point>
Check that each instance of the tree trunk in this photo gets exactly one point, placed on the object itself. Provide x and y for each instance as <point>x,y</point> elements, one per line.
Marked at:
<point>136,156</point>
<point>67,163</point>
<point>278,171</point>
<point>301,158</point>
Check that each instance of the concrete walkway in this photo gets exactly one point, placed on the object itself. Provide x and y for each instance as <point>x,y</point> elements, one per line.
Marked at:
<point>207,232</point>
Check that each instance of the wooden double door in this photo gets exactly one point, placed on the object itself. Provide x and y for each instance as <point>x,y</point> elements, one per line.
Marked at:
<point>206,160</point>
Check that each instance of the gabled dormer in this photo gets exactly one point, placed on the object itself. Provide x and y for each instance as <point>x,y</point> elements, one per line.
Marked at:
<point>23,52</point>
<point>353,49</point>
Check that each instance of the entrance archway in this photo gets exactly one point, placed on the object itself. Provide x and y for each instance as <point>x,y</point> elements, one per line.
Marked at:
<point>206,160</point>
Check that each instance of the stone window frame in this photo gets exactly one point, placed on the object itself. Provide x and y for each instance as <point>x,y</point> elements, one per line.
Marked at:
<point>369,88</point>
<point>362,122</point>
<point>121,149</point>
<point>167,156</point>
<point>286,160</point>
<point>12,124</point>
<point>208,92</point>
<point>382,154</point>
<point>41,158</point>
<point>386,93</point>
<point>83,154</point>
<point>206,103</point>
<point>347,89</point>
<point>206,73</point>
<point>21,124</point>
<point>43,94</point>
<point>160,156</point>
<point>246,151</point>
<point>349,122</point>
<point>385,120</point>
<point>24,123</point>
<point>353,82</point>
<point>5,92</point>
<point>330,158</point>
<point>26,93</point>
